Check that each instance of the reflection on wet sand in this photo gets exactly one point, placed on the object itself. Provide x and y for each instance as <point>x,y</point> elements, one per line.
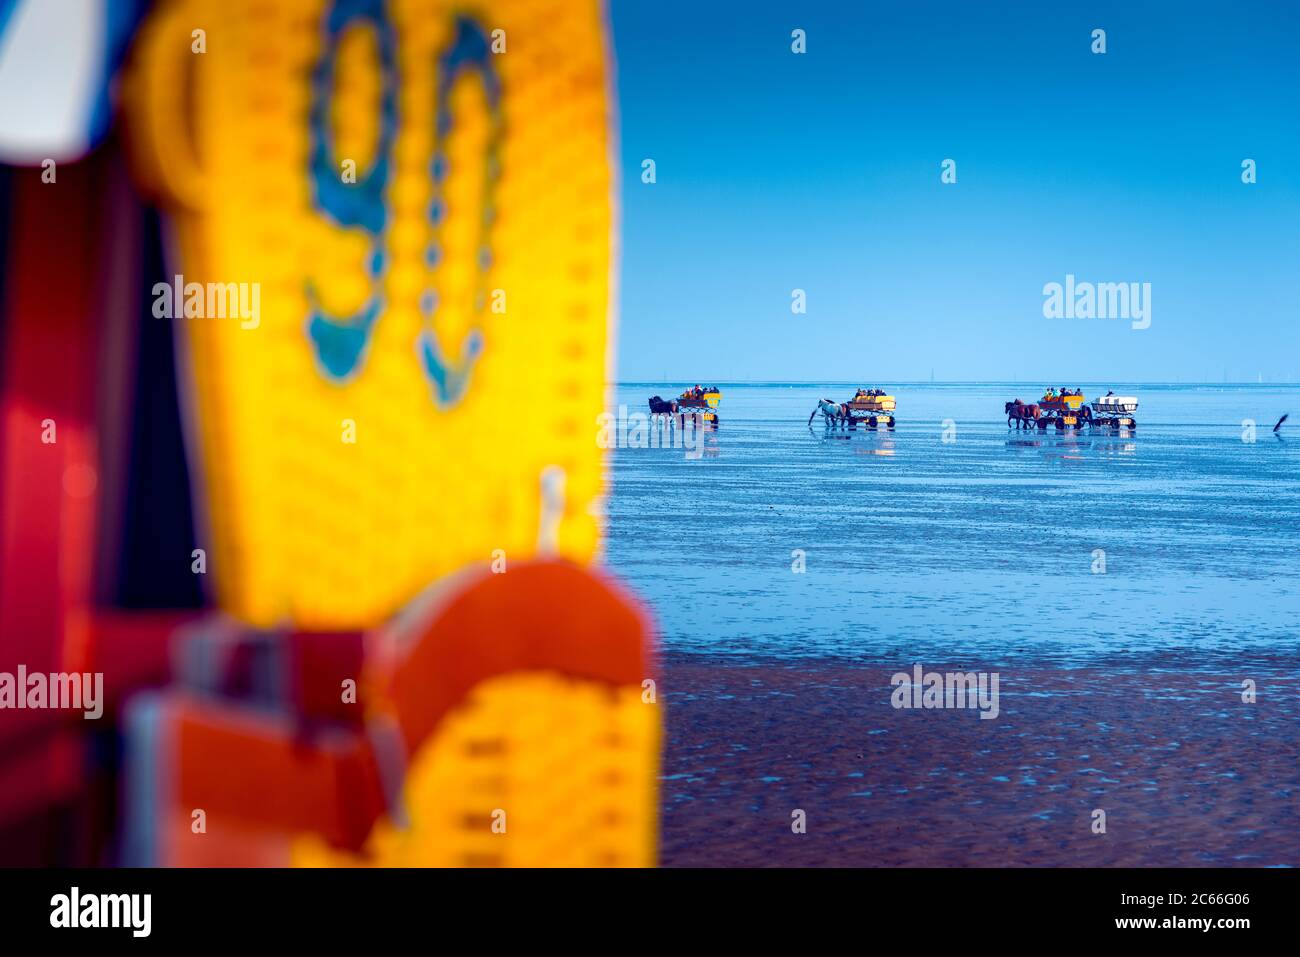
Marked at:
<point>883,444</point>
<point>1061,446</point>
<point>878,441</point>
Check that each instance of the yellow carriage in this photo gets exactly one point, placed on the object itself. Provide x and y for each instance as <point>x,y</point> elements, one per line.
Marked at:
<point>1062,410</point>
<point>703,405</point>
<point>871,407</point>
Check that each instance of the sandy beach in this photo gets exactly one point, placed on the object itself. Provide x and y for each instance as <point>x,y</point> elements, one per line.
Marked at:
<point>1187,773</point>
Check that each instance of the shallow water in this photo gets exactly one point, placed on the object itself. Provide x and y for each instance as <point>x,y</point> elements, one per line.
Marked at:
<point>983,546</point>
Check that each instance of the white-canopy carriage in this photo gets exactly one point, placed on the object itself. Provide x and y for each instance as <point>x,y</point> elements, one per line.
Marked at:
<point>1114,411</point>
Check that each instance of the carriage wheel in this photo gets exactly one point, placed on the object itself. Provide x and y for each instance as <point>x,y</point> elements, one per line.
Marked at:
<point>891,423</point>
<point>872,421</point>
<point>1060,424</point>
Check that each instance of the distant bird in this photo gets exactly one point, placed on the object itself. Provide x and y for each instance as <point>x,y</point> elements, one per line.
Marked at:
<point>1280,421</point>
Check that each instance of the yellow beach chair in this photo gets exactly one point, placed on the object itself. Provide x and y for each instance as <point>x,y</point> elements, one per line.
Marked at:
<point>386,225</point>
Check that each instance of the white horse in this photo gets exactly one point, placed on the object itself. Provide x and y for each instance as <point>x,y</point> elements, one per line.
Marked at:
<point>835,412</point>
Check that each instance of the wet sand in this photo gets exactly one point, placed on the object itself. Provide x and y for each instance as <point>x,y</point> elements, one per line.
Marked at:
<point>1187,773</point>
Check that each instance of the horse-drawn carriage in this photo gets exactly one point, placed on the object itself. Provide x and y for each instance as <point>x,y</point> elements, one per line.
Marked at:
<point>699,405</point>
<point>1114,412</point>
<point>868,407</point>
<point>871,407</point>
<point>1070,410</point>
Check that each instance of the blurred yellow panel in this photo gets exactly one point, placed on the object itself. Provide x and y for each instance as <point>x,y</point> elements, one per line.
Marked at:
<point>534,770</point>
<point>446,308</point>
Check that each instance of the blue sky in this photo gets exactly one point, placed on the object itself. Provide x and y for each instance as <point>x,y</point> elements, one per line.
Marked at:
<point>821,171</point>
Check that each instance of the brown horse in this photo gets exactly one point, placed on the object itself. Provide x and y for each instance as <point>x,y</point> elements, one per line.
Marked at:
<point>1021,415</point>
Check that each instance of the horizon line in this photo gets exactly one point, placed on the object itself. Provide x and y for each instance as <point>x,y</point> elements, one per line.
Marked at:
<point>1021,381</point>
